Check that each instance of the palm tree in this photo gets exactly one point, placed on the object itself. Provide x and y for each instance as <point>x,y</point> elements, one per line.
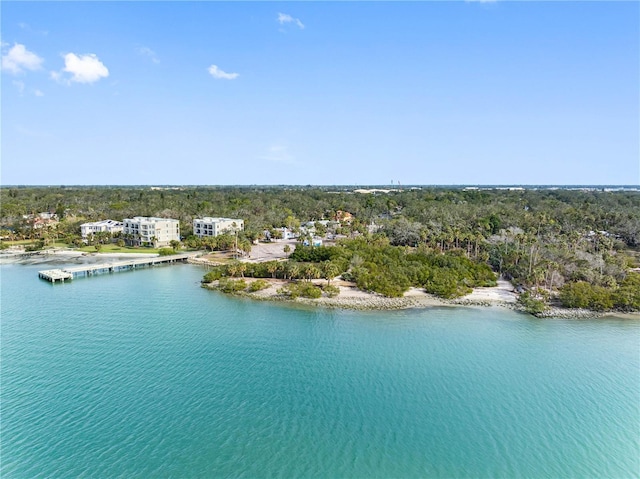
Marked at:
<point>294,270</point>
<point>241,268</point>
<point>329,271</point>
<point>272,267</point>
<point>232,269</point>
<point>311,272</point>
<point>245,246</point>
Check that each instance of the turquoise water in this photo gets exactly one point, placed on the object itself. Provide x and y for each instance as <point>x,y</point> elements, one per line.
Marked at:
<point>144,374</point>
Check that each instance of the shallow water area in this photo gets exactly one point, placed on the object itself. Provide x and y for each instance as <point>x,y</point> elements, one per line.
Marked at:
<point>145,374</point>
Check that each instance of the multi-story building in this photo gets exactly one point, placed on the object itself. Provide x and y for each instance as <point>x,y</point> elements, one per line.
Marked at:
<point>216,226</point>
<point>109,226</point>
<point>149,231</point>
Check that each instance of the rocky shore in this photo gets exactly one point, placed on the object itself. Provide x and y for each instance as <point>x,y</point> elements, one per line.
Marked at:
<point>64,256</point>
<point>350,297</point>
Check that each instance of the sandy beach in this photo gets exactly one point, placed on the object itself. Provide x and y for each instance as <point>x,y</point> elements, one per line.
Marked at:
<point>351,297</point>
<point>64,256</point>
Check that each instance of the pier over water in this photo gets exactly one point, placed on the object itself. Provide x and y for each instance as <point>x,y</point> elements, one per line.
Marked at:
<point>62,275</point>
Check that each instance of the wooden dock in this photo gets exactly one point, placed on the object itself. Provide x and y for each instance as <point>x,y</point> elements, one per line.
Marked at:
<point>61,275</point>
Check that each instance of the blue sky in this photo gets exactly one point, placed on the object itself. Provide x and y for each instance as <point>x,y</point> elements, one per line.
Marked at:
<point>320,93</point>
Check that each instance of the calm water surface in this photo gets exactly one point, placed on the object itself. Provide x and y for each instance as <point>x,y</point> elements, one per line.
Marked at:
<point>144,374</point>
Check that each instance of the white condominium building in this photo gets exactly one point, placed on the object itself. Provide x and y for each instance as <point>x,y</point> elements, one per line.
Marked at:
<point>157,232</point>
<point>216,226</point>
<point>108,226</point>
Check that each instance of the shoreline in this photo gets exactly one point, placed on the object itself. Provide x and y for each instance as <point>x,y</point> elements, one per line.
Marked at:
<point>351,298</point>
<point>66,256</point>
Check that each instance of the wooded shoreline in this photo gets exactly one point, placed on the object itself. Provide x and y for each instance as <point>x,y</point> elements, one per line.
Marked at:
<point>351,298</point>
<point>577,247</point>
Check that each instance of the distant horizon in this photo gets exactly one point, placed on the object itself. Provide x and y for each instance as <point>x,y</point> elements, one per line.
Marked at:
<point>296,93</point>
<point>357,186</point>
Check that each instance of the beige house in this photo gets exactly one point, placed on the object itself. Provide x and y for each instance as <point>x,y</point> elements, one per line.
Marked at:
<point>150,231</point>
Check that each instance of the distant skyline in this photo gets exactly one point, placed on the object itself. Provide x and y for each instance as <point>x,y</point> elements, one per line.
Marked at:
<point>320,93</point>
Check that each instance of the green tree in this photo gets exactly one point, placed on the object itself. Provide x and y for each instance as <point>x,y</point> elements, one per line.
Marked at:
<point>272,267</point>
<point>329,271</point>
<point>311,272</point>
<point>245,246</point>
<point>532,305</point>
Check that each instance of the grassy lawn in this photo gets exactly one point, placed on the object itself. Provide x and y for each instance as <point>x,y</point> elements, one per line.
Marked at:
<point>19,242</point>
<point>113,248</point>
<point>57,244</point>
<point>107,248</point>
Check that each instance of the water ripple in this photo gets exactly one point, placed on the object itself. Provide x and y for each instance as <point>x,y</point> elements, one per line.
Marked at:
<point>147,375</point>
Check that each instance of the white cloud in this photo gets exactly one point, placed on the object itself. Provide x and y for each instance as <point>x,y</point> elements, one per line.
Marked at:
<point>83,69</point>
<point>19,59</point>
<point>286,18</point>
<point>148,52</point>
<point>216,72</point>
<point>38,93</point>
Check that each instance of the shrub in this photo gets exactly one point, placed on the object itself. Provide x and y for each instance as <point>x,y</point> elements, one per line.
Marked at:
<point>309,290</point>
<point>166,251</point>
<point>585,295</point>
<point>258,285</point>
<point>331,290</point>
<point>306,290</point>
<point>532,305</point>
<point>627,297</point>
<point>231,286</point>
<point>211,276</point>
<point>286,290</point>
<point>313,254</point>
<point>575,295</point>
<point>38,245</point>
<point>442,283</point>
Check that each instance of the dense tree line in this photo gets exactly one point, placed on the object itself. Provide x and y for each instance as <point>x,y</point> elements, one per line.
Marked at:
<point>442,211</point>
<point>625,296</point>
<point>545,241</point>
<point>374,265</point>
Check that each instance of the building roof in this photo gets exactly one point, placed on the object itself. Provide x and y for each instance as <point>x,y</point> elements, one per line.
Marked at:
<point>149,219</point>
<point>103,223</point>
<point>212,220</point>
